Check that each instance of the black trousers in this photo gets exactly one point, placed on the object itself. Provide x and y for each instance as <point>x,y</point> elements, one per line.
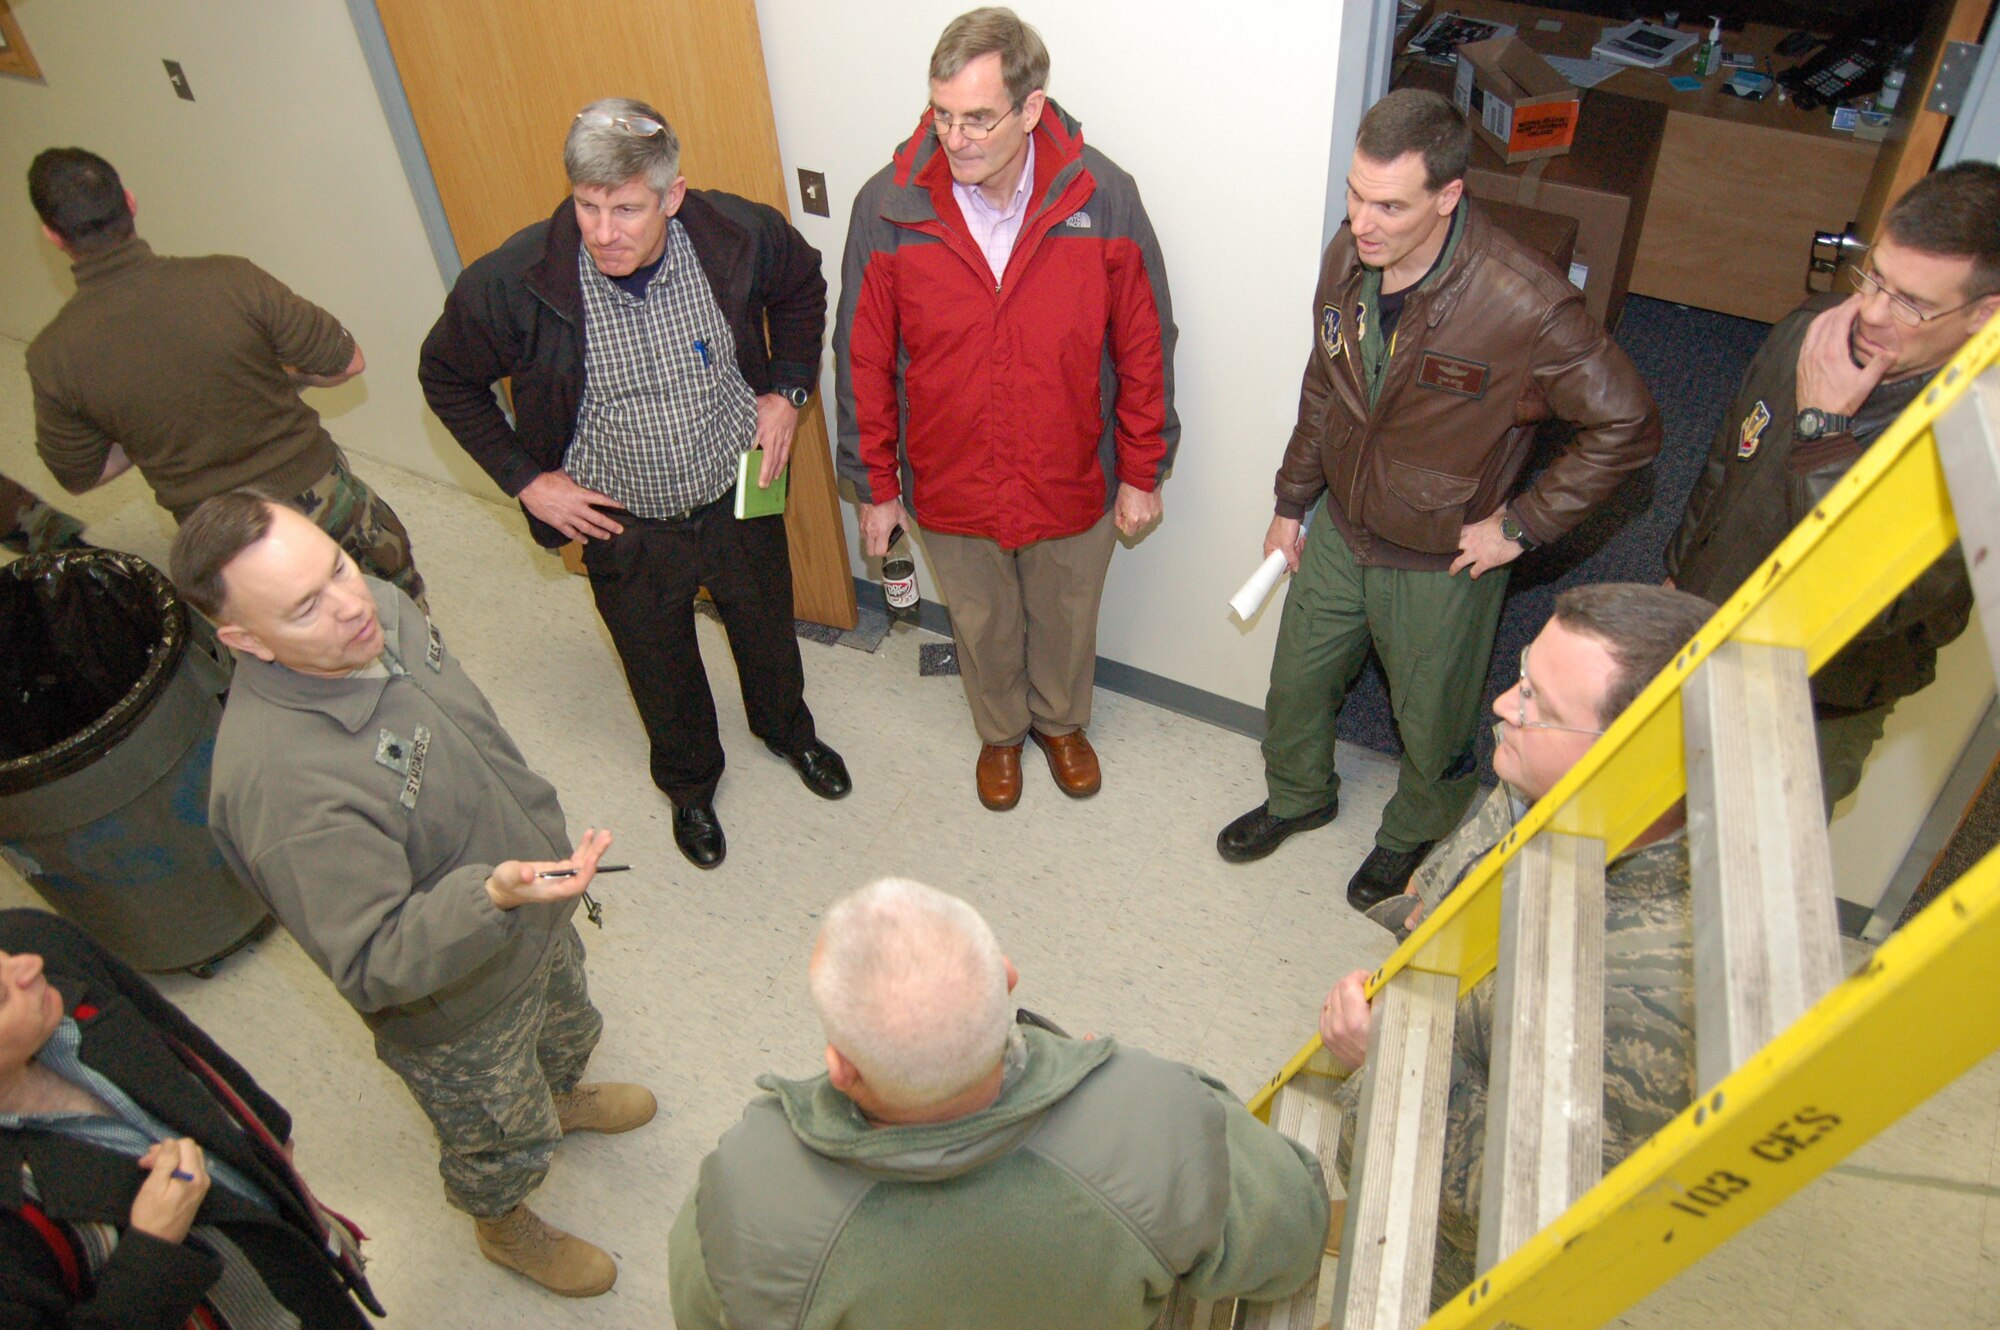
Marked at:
<point>645,579</point>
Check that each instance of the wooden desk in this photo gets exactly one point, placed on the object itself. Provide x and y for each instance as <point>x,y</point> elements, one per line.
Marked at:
<point>1739,187</point>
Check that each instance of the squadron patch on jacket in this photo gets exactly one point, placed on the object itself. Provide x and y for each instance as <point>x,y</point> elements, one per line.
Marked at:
<point>1453,374</point>
<point>413,780</point>
<point>1329,330</point>
<point>393,752</point>
<point>1752,431</point>
<point>434,652</point>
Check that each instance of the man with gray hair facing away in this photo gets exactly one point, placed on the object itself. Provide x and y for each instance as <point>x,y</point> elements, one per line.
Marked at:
<point>654,334</point>
<point>955,1168</point>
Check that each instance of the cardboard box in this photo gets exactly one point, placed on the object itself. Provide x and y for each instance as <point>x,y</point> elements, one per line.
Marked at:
<point>1515,100</point>
<point>1550,234</point>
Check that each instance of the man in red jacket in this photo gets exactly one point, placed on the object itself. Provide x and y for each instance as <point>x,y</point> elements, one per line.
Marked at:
<point>1005,347</point>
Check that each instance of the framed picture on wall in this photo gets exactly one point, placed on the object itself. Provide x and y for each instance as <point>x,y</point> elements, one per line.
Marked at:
<point>15,57</point>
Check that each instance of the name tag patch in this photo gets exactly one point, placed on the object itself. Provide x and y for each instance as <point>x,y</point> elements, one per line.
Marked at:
<point>413,781</point>
<point>1752,431</point>
<point>434,653</point>
<point>1329,330</point>
<point>1453,374</point>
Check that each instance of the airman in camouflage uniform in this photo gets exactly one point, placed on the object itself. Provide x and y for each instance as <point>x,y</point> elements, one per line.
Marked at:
<point>1600,649</point>
<point>1648,1023</point>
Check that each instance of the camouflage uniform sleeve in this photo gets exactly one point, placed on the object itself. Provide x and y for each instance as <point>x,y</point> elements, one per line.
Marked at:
<point>1448,864</point>
<point>1648,996</point>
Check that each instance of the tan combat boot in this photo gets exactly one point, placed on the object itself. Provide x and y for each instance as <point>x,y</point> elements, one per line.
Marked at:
<point>559,1262</point>
<point>606,1107</point>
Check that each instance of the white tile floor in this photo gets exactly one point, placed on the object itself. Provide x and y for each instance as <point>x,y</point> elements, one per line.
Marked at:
<point>1116,910</point>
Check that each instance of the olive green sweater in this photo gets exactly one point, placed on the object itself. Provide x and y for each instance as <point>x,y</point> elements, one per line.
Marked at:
<point>182,363</point>
<point>1099,1177</point>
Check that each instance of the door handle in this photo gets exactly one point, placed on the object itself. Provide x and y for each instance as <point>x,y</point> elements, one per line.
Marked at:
<point>1830,249</point>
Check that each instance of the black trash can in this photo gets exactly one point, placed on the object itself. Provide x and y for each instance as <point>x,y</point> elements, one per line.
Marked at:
<point>110,694</point>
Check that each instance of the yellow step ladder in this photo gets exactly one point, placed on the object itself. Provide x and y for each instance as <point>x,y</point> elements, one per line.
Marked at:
<point>1791,1058</point>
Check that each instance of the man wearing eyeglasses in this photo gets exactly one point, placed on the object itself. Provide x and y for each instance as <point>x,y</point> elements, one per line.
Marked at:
<point>1830,378</point>
<point>1599,650</point>
<point>1005,349</point>
<point>654,334</point>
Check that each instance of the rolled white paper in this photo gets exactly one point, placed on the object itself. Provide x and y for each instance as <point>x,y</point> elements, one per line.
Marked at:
<point>1246,601</point>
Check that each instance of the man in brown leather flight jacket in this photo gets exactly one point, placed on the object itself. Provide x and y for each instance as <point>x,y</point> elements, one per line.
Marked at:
<point>1439,344</point>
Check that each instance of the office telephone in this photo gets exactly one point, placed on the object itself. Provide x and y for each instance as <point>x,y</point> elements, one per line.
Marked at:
<point>1847,67</point>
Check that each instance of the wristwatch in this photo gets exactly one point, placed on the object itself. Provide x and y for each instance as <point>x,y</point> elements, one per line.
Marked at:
<point>1514,531</point>
<point>1813,423</point>
<point>798,397</point>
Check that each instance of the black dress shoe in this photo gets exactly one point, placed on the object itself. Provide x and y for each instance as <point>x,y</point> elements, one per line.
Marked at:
<point>1257,833</point>
<point>1384,873</point>
<point>699,834</point>
<point>819,767</point>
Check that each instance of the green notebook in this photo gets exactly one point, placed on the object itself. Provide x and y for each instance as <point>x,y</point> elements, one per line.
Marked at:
<point>754,502</point>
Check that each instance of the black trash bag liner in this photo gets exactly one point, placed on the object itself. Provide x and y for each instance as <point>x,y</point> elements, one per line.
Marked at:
<point>88,639</point>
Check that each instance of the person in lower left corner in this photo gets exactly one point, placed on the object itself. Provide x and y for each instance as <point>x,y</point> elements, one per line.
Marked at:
<point>145,1178</point>
<point>1599,650</point>
<point>957,1166</point>
<point>30,526</point>
<point>364,787</point>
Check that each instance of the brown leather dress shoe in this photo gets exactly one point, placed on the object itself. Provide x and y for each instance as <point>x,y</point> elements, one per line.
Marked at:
<point>1072,761</point>
<point>1000,776</point>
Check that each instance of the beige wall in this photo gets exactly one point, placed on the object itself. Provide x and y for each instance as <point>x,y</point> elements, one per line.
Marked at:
<point>1874,827</point>
<point>284,157</point>
<point>1224,121</point>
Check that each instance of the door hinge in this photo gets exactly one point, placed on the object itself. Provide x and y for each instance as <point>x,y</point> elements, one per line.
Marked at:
<point>1954,78</point>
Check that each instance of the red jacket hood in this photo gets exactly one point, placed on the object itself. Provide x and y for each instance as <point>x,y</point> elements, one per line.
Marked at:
<point>1058,139</point>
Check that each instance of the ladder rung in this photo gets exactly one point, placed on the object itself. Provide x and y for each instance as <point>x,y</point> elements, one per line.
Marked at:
<point>1766,939</point>
<point>1305,1111</point>
<point>1389,1241</point>
<point>1545,1102</point>
<point>1968,444</point>
<point>1184,1311</point>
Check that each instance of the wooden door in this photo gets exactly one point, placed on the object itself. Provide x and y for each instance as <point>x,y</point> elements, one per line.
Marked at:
<point>493,85</point>
<point>1915,133</point>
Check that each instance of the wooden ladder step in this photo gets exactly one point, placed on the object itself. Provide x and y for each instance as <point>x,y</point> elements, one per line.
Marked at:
<point>1968,444</point>
<point>1304,1110</point>
<point>1766,935</point>
<point>1389,1242</point>
<point>1545,1102</point>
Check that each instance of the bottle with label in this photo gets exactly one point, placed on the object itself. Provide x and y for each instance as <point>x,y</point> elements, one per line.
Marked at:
<point>899,577</point>
<point>1708,58</point>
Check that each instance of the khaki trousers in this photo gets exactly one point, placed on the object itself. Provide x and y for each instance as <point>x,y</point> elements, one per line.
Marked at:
<point>1026,625</point>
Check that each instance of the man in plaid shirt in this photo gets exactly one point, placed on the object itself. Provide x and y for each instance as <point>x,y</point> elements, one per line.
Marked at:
<point>653,334</point>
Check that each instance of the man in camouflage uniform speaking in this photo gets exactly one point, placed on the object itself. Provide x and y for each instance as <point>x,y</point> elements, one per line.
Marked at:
<point>366,790</point>
<point>1602,646</point>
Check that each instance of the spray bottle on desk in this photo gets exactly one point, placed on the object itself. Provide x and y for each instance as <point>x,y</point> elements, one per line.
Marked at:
<point>1708,57</point>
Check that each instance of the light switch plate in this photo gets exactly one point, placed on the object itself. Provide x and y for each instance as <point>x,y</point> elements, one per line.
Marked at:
<point>179,80</point>
<point>812,191</point>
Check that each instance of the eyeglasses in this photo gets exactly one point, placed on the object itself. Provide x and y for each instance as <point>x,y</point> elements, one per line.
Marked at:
<point>974,130</point>
<point>1905,312</point>
<point>1527,695</point>
<point>638,126</point>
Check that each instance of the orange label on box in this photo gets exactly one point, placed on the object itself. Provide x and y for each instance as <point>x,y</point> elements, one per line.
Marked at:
<point>1551,126</point>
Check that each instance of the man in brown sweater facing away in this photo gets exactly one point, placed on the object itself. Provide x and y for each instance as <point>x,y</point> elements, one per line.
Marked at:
<point>190,370</point>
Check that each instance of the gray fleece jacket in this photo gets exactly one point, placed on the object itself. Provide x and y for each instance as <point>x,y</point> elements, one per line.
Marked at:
<point>369,812</point>
<point>1074,1202</point>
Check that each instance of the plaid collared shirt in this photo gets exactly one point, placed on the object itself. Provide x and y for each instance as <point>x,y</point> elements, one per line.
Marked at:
<point>665,411</point>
